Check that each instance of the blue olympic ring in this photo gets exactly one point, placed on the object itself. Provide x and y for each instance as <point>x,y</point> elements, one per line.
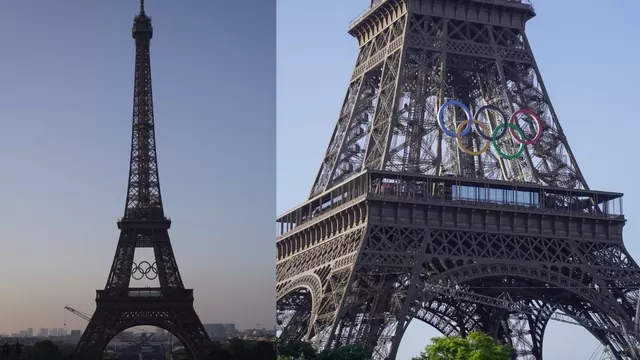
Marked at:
<point>467,112</point>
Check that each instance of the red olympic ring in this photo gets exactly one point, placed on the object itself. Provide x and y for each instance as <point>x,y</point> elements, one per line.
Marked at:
<point>513,119</point>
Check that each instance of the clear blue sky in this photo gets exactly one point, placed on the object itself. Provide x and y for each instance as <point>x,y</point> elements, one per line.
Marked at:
<point>587,51</point>
<point>66,89</point>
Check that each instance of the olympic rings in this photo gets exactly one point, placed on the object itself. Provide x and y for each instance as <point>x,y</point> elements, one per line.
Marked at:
<point>144,271</point>
<point>516,132</point>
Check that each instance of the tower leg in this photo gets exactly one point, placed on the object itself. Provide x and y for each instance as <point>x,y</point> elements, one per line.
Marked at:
<point>112,318</point>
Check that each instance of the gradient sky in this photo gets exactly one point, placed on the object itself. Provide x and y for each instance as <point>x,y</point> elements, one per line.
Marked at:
<point>66,88</point>
<point>587,52</point>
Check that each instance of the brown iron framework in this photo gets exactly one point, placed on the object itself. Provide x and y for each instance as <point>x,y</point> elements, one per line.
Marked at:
<point>144,225</point>
<point>397,208</point>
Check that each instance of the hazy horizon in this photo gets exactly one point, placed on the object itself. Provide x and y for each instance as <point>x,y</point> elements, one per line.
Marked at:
<point>66,110</point>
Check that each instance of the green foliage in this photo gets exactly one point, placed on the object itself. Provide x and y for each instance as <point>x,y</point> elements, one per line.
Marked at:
<point>476,346</point>
<point>42,350</point>
<point>350,352</point>
<point>233,350</point>
<point>220,352</point>
<point>304,351</point>
<point>296,349</point>
<point>237,349</point>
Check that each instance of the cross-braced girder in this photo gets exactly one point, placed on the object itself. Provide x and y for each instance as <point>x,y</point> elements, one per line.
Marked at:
<point>172,313</point>
<point>371,257</point>
<point>408,67</point>
<point>419,187</point>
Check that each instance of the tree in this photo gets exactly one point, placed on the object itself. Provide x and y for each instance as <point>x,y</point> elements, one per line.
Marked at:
<point>304,351</point>
<point>238,349</point>
<point>42,350</point>
<point>349,352</point>
<point>476,346</point>
<point>264,350</point>
<point>296,350</point>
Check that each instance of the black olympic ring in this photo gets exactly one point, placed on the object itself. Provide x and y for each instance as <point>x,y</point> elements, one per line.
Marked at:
<point>149,271</point>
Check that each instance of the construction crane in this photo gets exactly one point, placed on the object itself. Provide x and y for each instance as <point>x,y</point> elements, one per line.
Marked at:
<point>85,316</point>
<point>524,309</point>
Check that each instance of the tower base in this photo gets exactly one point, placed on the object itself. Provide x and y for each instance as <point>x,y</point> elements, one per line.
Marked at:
<point>169,309</point>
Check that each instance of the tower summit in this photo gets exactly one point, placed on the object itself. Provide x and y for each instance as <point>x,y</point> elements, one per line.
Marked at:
<point>169,305</point>
<point>142,29</point>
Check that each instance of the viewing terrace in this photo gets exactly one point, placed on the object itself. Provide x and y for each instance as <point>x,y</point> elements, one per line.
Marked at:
<point>451,190</point>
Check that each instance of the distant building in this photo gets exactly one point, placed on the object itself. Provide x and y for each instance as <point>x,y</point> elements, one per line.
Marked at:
<point>30,332</point>
<point>230,329</point>
<point>43,332</point>
<point>219,332</point>
<point>75,334</point>
<point>258,334</point>
<point>62,332</point>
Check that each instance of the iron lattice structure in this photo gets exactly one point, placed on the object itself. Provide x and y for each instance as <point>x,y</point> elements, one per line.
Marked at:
<point>144,225</point>
<point>399,207</point>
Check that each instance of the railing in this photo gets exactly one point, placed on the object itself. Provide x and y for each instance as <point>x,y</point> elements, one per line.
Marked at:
<point>142,293</point>
<point>366,12</point>
<point>507,195</point>
<point>145,293</point>
<point>377,3</point>
<point>462,191</point>
<point>523,2</point>
<point>122,218</point>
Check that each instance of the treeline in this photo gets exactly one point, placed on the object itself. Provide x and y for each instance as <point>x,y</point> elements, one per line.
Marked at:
<point>235,349</point>
<point>475,346</point>
<point>304,351</point>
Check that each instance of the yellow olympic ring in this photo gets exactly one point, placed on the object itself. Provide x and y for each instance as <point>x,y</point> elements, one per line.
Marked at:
<point>464,149</point>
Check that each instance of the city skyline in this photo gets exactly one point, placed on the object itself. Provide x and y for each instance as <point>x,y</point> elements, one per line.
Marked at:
<point>65,157</point>
<point>585,68</point>
<point>64,331</point>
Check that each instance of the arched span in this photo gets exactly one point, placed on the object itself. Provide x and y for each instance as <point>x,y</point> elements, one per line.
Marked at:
<point>464,274</point>
<point>296,304</point>
<point>600,301</point>
<point>444,317</point>
<point>99,342</point>
<point>311,282</point>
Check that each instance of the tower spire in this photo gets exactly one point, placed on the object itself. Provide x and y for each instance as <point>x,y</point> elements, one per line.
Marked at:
<point>143,197</point>
<point>142,30</point>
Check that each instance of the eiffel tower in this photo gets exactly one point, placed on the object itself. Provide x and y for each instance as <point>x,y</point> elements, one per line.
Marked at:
<point>144,225</point>
<point>449,195</point>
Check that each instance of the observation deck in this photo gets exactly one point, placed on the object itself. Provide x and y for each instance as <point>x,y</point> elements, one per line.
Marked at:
<point>143,294</point>
<point>455,203</point>
<point>497,12</point>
